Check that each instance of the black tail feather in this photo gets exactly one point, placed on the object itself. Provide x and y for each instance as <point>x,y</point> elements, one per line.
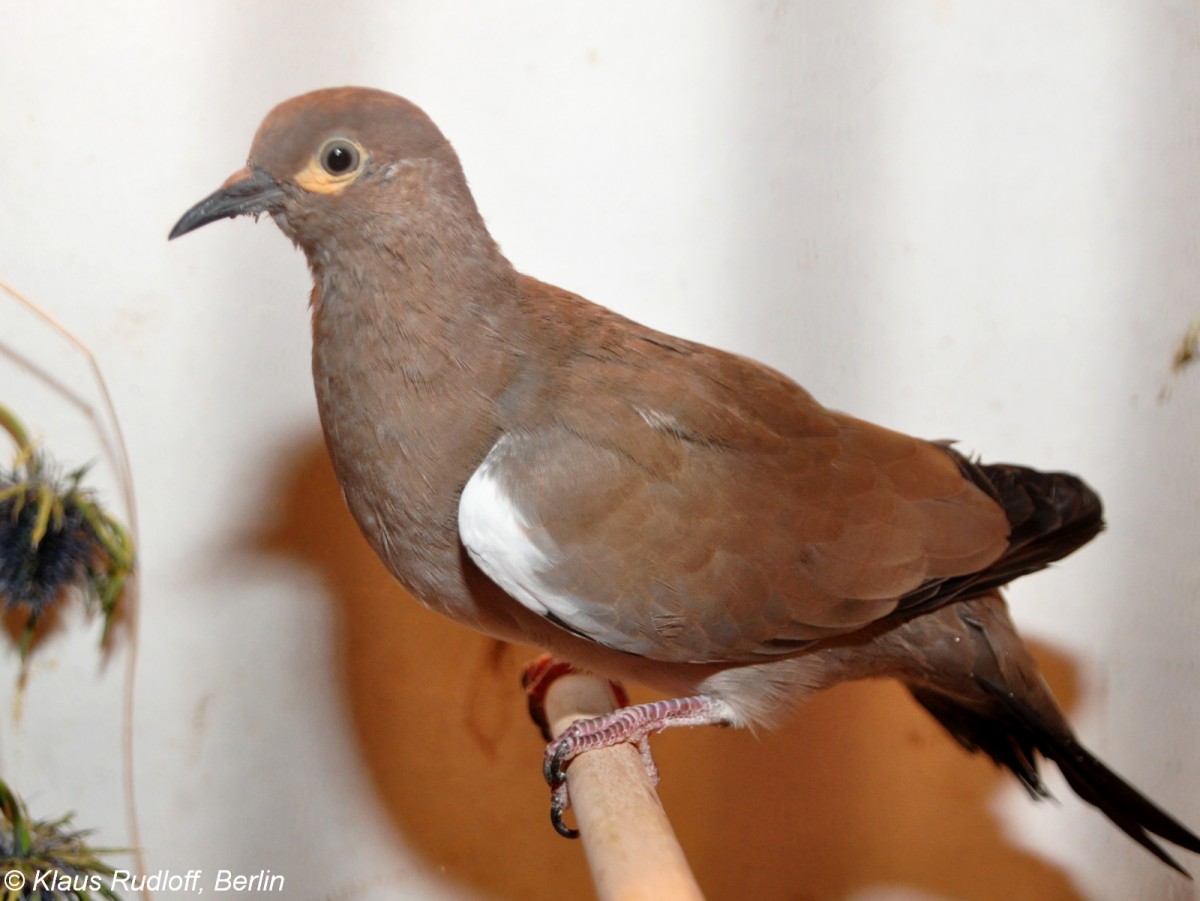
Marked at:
<point>975,731</point>
<point>1050,515</point>
<point>1012,733</point>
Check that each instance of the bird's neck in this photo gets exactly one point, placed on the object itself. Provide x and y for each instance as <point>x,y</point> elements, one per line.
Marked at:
<point>417,305</point>
<point>409,351</point>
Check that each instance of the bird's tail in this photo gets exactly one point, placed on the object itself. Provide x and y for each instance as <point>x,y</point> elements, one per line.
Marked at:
<point>990,697</point>
<point>1050,514</point>
<point>1010,732</point>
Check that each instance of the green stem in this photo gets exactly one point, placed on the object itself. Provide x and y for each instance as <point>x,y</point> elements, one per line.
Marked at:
<point>11,424</point>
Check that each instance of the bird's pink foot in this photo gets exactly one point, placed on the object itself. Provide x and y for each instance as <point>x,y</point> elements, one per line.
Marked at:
<point>629,724</point>
<point>632,724</point>
<point>536,680</point>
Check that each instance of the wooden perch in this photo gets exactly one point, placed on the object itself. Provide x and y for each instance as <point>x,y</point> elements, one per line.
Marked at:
<point>630,847</point>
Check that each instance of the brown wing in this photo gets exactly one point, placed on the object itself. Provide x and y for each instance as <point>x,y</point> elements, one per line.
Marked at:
<point>703,507</point>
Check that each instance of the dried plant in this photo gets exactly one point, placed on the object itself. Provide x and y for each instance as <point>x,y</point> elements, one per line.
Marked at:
<point>47,859</point>
<point>54,537</point>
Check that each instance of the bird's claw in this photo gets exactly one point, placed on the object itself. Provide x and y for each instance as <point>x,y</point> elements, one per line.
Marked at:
<point>580,736</point>
<point>560,800</point>
<point>559,754</point>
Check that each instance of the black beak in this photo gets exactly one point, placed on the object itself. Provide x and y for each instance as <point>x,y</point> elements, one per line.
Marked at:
<point>246,192</point>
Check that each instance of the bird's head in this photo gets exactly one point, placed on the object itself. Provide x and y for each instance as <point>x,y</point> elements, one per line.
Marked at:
<point>341,165</point>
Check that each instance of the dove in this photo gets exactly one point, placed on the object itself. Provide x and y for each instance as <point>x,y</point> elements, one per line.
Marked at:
<point>644,507</point>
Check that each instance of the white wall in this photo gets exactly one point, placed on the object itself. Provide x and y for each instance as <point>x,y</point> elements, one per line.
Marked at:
<point>971,220</point>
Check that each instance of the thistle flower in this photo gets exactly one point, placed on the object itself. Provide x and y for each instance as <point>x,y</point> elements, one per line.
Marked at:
<point>46,859</point>
<point>55,536</point>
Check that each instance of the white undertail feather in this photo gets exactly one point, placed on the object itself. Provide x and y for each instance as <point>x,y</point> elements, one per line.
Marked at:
<point>762,695</point>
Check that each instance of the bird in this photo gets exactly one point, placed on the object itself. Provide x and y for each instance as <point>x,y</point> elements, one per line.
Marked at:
<point>644,507</point>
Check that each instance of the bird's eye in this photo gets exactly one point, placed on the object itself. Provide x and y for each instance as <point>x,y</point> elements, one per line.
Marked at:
<point>339,157</point>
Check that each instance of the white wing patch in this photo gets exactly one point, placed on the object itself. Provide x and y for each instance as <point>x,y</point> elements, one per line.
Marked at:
<point>499,537</point>
<point>496,535</point>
